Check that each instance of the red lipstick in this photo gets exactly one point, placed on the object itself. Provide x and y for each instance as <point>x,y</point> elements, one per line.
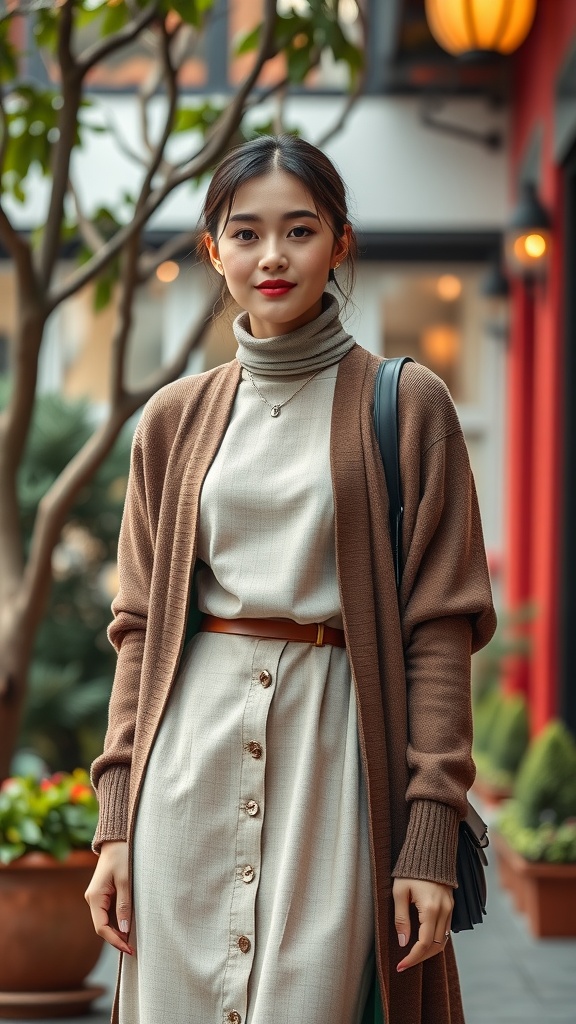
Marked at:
<point>275,288</point>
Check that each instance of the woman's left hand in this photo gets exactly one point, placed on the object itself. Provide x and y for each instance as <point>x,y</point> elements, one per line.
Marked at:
<point>434,903</point>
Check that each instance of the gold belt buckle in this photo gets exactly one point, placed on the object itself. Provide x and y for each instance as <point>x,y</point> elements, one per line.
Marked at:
<point>319,635</point>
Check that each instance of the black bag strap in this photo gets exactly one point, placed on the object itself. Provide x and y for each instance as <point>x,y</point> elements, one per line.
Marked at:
<point>386,427</point>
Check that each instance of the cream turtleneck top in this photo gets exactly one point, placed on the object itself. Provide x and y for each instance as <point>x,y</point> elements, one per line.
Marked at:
<point>266,534</point>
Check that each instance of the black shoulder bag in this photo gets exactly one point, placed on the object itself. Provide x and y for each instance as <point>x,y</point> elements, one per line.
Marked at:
<point>470,896</point>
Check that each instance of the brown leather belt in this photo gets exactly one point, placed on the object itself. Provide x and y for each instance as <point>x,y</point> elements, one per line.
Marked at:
<point>316,633</point>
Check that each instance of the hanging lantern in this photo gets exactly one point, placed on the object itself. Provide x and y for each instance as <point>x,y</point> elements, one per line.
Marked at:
<point>476,27</point>
<point>528,236</point>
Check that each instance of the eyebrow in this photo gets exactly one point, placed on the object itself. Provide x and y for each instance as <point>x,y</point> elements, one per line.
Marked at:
<point>292,215</point>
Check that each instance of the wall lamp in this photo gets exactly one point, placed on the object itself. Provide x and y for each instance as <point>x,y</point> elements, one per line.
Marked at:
<point>528,236</point>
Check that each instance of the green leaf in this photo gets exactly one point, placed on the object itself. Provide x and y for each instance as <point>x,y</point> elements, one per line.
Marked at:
<point>248,42</point>
<point>299,63</point>
<point>115,18</point>
<point>191,11</point>
<point>10,851</point>
<point>199,118</point>
<point>102,293</point>
<point>30,832</point>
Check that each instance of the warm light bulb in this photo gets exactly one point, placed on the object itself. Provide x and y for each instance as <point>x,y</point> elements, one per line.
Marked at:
<point>535,246</point>
<point>448,287</point>
<point>441,344</point>
<point>167,271</point>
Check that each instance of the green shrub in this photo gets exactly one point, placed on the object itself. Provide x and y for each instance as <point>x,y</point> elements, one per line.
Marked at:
<point>486,712</point>
<point>510,734</point>
<point>546,780</point>
<point>547,842</point>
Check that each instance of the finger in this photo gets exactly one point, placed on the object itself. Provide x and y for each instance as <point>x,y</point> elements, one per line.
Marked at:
<point>421,948</point>
<point>442,932</point>
<point>401,896</point>
<point>100,916</point>
<point>123,908</point>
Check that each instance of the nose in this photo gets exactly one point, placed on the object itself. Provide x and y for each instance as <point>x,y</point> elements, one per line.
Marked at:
<point>273,258</point>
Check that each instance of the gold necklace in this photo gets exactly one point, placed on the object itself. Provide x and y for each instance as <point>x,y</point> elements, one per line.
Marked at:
<point>275,409</point>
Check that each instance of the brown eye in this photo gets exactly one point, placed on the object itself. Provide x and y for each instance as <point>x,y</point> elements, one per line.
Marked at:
<point>300,232</point>
<point>242,235</point>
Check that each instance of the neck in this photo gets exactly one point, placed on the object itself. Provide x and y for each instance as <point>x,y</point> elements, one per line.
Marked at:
<point>310,347</point>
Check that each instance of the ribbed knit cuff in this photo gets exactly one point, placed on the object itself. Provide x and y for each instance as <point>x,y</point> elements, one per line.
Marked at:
<point>431,842</point>
<point>113,788</point>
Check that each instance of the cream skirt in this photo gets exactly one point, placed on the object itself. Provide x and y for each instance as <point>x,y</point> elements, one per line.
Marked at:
<point>252,887</point>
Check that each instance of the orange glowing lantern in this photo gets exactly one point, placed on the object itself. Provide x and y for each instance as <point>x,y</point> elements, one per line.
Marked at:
<point>475,27</point>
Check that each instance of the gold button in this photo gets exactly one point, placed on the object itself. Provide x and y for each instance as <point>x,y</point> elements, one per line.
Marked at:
<point>255,749</point>
<point>244,943</point>
<point>233,1017</point>
<point>265,678</point>
<point>247,873</point>
<point>252,808</point>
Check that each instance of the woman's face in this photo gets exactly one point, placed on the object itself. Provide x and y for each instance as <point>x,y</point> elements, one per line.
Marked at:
<point>275,253</point>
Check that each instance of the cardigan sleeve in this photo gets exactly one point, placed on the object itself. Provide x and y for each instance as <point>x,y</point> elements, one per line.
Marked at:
<point>447,613</point>
<point>110,772</point>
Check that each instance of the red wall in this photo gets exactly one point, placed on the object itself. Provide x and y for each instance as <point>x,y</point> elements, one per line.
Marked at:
<point>534,486</point>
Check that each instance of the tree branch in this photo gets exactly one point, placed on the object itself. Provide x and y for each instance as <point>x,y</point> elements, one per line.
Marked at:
<point>220,133</point>
<point>11,240</point>
<point>67,125</point>
<point>355,94</point>
<point>122,144</point>
<point>92,237</point>
<point>171,371</point>
<point>211,151</point>
<point>4,138</point>
<point>128,285</point>
<point>149,261</point>
<point>171,88</point>
<point>54,506</point>
<point>99,51</point>
<point>53,510</point>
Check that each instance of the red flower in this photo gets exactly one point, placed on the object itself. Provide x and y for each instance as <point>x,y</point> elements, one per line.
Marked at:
<point>46,784</point>
<point>78,792</point>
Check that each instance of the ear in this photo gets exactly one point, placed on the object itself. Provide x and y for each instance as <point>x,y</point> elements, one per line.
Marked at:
<point>341,247</point>
<point>213,254</point>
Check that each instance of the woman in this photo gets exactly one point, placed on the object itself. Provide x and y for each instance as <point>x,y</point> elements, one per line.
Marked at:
<point>282,780</point>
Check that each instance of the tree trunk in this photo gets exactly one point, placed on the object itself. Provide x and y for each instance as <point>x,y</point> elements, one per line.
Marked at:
<point>15,657</point>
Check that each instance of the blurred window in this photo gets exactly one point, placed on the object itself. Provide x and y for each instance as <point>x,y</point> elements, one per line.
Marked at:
<point>433,313</point>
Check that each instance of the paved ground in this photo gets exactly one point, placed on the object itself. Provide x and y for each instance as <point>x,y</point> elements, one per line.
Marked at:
<point>507,977</point>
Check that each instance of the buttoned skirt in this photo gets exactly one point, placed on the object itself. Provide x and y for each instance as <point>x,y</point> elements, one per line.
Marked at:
<point>251,865</point>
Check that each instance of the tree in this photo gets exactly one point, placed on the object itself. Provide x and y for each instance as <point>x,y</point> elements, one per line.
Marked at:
<point>41,126</point>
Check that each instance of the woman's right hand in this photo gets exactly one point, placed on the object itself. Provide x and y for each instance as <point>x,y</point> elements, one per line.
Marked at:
<point>108,895</point>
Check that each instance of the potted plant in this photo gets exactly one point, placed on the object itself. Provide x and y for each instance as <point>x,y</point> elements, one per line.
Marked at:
<point>535,836</point>
<point>501,735</point>
<point>47,940</point>
<point>501,727</point>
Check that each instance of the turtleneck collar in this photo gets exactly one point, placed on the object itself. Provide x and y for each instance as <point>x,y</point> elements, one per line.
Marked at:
<point>311,347</point>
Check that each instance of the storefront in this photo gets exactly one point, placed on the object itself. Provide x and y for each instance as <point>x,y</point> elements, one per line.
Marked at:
<point>540,489</point>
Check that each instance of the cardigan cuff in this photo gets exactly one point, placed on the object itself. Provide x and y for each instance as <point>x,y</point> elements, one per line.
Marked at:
<point>429,850</point>
<point>113,789</point>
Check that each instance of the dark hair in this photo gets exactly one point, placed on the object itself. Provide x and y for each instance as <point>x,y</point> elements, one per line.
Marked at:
<point>295,156</point>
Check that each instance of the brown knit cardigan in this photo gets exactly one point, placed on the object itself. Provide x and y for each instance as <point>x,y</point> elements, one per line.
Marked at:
<point>411,668</point>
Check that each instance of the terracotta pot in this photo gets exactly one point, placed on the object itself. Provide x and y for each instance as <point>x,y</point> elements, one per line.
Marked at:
<point>47,940</point>
<point>546,893</point>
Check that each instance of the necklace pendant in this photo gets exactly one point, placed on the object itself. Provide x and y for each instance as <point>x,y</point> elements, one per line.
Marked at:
<point>275,410</point>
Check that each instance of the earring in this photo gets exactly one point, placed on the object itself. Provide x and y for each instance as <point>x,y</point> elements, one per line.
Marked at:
<point>336,265</point>
<point>218,266</point>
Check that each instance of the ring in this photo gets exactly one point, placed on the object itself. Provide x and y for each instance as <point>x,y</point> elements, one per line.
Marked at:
<point>446,935</point>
